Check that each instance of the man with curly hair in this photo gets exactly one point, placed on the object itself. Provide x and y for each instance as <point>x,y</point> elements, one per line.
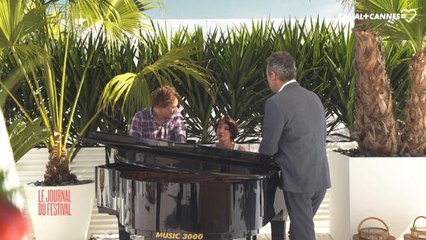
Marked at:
<point>163,120</point>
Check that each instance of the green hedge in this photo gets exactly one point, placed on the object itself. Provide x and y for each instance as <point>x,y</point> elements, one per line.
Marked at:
<point>236,57</point>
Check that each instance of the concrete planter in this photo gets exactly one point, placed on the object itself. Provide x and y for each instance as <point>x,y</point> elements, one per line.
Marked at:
<point>390,188</point>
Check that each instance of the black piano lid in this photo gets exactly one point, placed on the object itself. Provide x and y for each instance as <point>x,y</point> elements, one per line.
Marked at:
<point>182,150</point>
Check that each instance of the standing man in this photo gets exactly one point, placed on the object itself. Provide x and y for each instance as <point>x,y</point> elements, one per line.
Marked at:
<point>163,120</point>
<point>294,133</point>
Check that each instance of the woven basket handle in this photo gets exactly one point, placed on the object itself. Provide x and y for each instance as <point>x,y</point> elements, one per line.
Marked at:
<point>414,223</point>
<point>374,218</point>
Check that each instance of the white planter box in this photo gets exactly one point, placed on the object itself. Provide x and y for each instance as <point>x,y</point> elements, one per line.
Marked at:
<point>60,212</point>
<point>33,165</point>
<point>390,188</point>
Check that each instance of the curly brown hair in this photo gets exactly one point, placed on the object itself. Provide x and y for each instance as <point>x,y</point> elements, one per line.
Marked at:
<point>232,125</point>
<point>164,96</point>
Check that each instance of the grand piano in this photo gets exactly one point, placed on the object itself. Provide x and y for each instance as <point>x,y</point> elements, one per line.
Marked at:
<point>166,190</point>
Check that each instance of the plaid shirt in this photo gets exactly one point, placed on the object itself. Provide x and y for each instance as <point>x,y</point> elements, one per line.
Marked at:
<point>144,125</point>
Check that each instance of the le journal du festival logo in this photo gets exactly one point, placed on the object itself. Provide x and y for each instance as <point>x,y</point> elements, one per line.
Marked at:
<point>54,202</point>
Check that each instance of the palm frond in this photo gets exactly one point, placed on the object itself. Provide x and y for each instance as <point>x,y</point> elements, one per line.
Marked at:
<point>25,135</point>
<point>17,21</point>
<point>404,20</point>
<point>133,88</point>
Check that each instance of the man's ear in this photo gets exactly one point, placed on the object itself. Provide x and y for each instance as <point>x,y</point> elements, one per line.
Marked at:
<point>274,75</point>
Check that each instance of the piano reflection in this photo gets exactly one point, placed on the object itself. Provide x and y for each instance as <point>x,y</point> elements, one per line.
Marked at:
<point>166,190</point>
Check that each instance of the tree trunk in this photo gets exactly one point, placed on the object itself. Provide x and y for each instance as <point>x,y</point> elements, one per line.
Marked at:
<point>375,124</point>
<point>415,125</point>
<point>57,170</point>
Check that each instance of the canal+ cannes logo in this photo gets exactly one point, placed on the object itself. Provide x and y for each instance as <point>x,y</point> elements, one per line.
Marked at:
<point>405,14</point>
<point>409,14</point>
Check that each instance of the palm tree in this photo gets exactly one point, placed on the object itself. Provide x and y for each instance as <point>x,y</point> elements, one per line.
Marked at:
<point>375,123</point>
<point>376,130</point>
<point>29,27</point>
<point>35,26</point>
<point>16,23</point>
<point>408,27</point>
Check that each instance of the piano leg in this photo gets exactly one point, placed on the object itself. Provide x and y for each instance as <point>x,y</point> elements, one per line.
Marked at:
<point>251,238</point>
<point>122,234</point>
<point>278,227</point>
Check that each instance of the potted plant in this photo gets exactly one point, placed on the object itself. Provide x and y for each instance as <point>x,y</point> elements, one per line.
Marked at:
<point>29,31</point>
<point>384,180</point>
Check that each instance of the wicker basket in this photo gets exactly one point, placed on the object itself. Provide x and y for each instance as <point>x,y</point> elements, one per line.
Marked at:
<point>372,233</point>
<point>418,232</point>
<point>408,236</point>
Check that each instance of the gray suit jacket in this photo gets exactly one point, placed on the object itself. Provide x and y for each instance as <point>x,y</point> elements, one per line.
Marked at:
<point>294,132</point>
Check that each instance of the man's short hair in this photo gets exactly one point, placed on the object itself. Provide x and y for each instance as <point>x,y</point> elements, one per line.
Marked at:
<point>283,64</point>
<point>164,96</point>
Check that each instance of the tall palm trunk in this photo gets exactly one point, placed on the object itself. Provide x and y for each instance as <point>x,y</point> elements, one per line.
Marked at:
<point>375,124</point>
<point>415,128</point>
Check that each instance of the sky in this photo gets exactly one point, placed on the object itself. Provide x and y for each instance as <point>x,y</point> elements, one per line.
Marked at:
<point>249,9</point>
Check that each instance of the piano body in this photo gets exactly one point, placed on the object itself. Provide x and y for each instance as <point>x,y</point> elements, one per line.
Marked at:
<point>165,190</point>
